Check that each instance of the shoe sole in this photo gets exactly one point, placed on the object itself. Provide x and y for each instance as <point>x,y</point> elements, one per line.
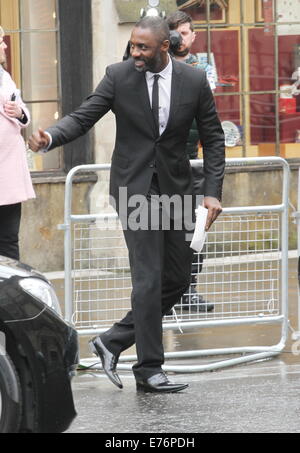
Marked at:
<point>141,388</point>
<point>94,350</point>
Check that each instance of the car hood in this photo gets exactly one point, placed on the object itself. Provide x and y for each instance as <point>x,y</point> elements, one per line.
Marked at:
<point>10,268</point>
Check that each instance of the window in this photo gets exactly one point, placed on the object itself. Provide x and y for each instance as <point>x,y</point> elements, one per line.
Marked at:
<point>256,56</point>
<point>32,35</point>
<point>39,63</point>
<point>49,48</point>
<point>198,10</point>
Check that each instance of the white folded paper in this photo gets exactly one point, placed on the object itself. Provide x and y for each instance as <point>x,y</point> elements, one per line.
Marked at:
<point>199,236</point>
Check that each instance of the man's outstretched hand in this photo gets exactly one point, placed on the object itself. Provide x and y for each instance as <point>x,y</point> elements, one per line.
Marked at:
<point>38,140</point>
<point>214,210</point>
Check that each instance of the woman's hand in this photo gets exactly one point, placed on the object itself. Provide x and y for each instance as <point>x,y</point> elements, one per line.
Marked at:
<point>13,110</point>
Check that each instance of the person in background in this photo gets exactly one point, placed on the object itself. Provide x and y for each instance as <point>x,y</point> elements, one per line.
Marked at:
<point>183,24</point>
<point>15,180</point>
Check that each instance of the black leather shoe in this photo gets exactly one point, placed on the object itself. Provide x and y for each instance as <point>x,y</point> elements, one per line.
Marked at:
<point>196,303</point>
<point>109,361</point>
<point>158,383</point>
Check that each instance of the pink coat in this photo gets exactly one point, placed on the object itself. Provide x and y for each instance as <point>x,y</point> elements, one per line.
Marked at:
<point>15,180</point>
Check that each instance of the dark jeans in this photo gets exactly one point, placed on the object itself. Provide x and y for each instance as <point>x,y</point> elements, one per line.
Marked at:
<point>10,217</point>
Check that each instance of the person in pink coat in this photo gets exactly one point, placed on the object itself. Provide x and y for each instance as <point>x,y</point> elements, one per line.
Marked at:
<point>15,181</point>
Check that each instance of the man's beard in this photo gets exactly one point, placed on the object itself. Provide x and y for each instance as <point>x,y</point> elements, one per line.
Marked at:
<point>152,65</point>
<point>181,53</point>
<point>142,68</point>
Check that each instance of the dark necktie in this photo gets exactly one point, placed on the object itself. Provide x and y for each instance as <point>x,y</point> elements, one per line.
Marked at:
<point>155,103</point>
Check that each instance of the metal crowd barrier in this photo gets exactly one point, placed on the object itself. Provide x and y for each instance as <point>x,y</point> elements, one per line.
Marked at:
<point>245,273</point>
<point>296,335</point>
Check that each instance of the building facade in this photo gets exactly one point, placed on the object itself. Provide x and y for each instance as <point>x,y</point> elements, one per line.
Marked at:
<point>58,52</point>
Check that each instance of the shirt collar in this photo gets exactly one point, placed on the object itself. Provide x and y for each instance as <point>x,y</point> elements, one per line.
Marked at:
<point>165,73</point>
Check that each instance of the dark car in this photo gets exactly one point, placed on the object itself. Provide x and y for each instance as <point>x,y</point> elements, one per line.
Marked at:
<point>38,354</point>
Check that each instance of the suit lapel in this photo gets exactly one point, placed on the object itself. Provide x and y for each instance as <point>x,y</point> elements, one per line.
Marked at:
<point>143,98</point>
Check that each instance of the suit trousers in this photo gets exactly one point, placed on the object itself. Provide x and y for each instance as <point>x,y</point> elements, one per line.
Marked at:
<point>10,217</point>
<point>160,263</point>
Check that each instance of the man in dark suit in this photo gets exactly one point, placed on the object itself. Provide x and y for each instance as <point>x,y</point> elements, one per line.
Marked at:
<point>155,100</point>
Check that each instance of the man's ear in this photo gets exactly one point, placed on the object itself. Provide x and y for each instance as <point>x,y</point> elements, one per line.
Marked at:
<point>165,45</point>
<point>194,36</point>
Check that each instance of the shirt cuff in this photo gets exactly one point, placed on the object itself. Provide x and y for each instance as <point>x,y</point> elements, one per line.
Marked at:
<point>45,150</point>
<point>23,118</point>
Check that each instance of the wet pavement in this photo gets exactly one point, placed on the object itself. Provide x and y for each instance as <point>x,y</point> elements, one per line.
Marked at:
<point>258,397</point>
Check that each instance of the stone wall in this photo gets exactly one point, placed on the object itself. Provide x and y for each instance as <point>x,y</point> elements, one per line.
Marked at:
<point>41,243</point>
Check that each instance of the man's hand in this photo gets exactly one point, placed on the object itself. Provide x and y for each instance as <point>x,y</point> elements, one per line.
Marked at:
<point>214,209</point>
<point>39,140</point>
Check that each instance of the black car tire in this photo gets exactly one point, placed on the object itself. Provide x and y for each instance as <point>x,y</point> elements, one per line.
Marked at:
<point>10,397</point>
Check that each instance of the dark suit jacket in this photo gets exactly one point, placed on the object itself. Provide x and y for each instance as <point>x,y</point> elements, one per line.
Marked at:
<point>137,149</point>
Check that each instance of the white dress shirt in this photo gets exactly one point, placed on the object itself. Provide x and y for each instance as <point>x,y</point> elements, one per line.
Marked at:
<point>164,90</point>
